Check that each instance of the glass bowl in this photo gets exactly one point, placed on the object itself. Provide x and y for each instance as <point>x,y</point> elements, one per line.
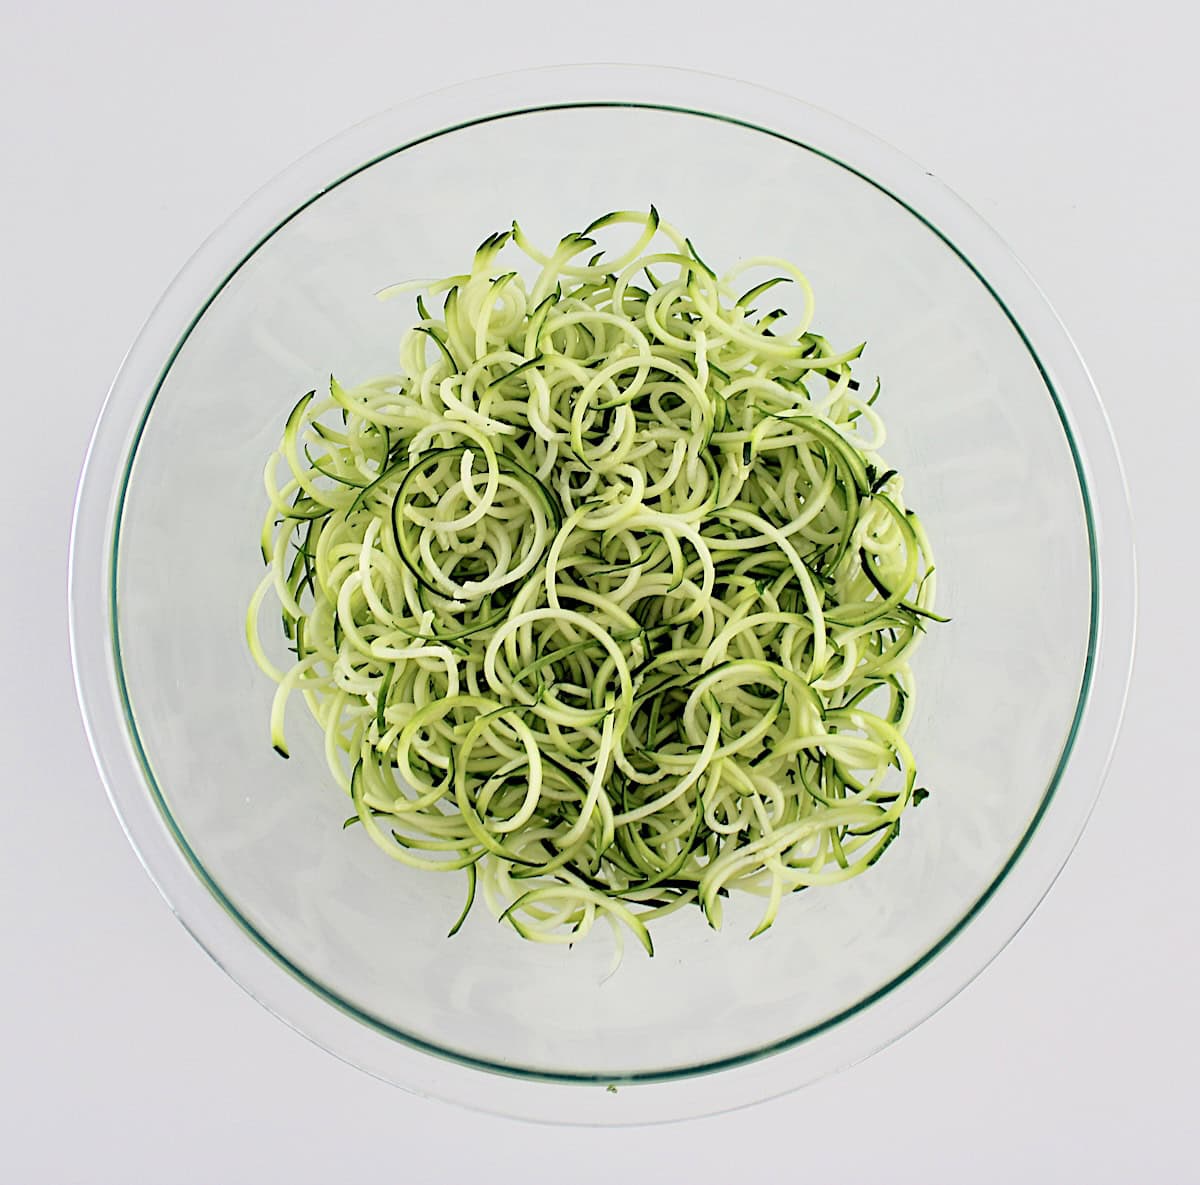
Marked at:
<point>1007,456</point>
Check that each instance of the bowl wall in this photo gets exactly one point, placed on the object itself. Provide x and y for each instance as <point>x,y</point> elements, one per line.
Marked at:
<point>973,428</point>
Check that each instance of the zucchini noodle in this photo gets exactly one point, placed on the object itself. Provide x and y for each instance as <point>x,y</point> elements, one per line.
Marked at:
<point>607,598</point>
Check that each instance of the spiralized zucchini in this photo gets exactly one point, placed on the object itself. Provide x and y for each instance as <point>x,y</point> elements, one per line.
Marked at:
<point>591,599</point>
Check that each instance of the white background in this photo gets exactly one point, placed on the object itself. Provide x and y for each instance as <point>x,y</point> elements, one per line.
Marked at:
<point>129,130</point>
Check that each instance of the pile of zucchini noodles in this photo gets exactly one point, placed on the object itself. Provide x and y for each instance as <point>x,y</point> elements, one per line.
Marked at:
<point>591,598</point>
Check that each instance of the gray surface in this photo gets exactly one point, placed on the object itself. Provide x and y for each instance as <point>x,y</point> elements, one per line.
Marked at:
<point>129,130</point>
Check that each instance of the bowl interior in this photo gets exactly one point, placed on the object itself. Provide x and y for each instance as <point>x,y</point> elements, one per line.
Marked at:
<point>973,426</point>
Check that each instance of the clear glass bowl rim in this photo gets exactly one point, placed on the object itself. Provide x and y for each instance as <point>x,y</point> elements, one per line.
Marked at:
<point>402,1058</point>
